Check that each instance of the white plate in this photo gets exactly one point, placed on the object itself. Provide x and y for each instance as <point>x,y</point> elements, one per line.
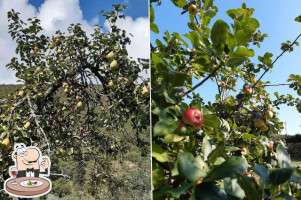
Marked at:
<point>24,183</point>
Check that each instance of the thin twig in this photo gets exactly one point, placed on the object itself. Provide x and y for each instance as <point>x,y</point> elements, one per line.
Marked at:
<point>202,82</point>
<point>267,69</point>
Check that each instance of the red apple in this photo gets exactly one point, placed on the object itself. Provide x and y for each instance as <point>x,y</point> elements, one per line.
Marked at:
<point>248,174</point>
<point>248,90</point>
<point>223,84</point>
<point>243,150</point>
<point>271,143</point>
<point>193,9</point>
<point>194,117</point>
<point>259,123</point>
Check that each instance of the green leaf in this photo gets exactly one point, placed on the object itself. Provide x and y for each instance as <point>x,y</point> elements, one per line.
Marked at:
<point>166,126</point>
<point>179,3</point>
<point>263,173</point>
<point>157,175</point>
<point>207,146</point>
<point>248,136</point>
<point>219,32</point>
<point>208,191</point>
<point>216,152</point>
<point>177,192</point>
<point>212,121</point>
<point>283,157</point>
<point>284,196</point>
<point>250,192</point>
<point>279,176</point>
<point>169,98</point>
<point>208,4</point>
<point>242,38</point>
<point>188,169</point>
<point>154,28</point>
<point>239,56</point>
<point>160,112</point>
<point>172,138</point>
<point>298,19</point>
<point>232,188</point>
<point>194,38</point>
<point>159,153</point>
<point>228,168</point>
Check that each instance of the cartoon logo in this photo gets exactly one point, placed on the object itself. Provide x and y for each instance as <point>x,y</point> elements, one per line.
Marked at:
<point>28,175</point>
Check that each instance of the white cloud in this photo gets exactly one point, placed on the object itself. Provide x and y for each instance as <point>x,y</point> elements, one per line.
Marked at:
<point>58,14</point>
<point>139,28</point>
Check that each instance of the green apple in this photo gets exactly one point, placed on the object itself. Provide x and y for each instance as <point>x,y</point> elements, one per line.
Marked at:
<point>264,128</point>
<point>193,9</point>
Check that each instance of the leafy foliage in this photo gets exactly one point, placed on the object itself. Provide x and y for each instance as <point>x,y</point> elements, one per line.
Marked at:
<point>233,155</point>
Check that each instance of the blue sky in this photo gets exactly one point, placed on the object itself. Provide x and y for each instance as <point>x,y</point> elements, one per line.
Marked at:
<point>276,19</point>
<point>136,8</point>
<point>59,14</point>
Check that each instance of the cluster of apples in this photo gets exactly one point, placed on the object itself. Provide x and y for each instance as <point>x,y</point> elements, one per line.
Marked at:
<point>110,56</point>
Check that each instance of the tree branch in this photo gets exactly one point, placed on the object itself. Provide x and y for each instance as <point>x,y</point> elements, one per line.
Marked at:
<point>202,82</point>
<point>37,121</point>
<point>268,68</point>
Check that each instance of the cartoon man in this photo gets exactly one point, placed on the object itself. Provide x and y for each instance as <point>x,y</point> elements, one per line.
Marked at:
<point>28,161</point>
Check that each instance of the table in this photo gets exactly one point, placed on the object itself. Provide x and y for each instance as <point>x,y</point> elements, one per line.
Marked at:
<point>22,191</point>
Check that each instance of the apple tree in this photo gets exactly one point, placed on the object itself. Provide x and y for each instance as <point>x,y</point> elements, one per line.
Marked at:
<point>77,91</point>
<point>221,149</point>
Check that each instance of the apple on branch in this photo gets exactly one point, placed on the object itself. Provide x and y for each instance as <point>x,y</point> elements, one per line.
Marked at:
<point>193,9</point>
<point>243,150</point>
<point>259,123</point>
<point>194,117</point>
<point>248,90</point>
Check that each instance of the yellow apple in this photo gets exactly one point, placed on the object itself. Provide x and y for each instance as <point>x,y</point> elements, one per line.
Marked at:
<point>40,94</point>
<point>27,125</point>
<point>5,144</point>
<point>51,46</point>
<point>114,64</point>
<point>111,84</point>
<point>270,114</point>
<point>59,50</point>
<point>145,91</point>
<point>79,104</point>
<point>110,55</point>
<point>4,128</point>
<point>66,90</point>
<point>64,108</point>
<point>21,93</point>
